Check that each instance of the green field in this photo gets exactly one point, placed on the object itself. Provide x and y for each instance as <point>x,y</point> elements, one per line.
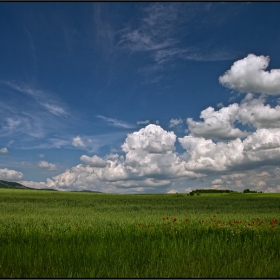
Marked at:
<point>45,234</point>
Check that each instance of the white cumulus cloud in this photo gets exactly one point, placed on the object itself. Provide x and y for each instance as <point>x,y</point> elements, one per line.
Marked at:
<point>175,122</point>
<point>253,111</point>
<point>249,75</point>
<point>33,185</point>
<point>172,191</point>
<point>263,139</point>
<point>94,161</point>
<point>221,124</point>
<point>78,142</point>
<point>217,124</point>
<point>46,165</point>
<point>150,162</point>
<point>261,148</point>
<point>7,174</point>
<point>205,155</point>
<point>258,180</point>
<point>4,151</point>
<point>152,139</point>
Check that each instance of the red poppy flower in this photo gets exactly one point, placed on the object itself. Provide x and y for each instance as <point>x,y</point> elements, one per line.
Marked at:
<point>214,216</point>
<point>271,223</point>
<point>139,225</point>
<point>163,219</point>
<point>174,220</point>
<point>276,221</point>
<point>258,219</point>
<point>149,226</point>
<point>186,220</point>
<point>249,224</point>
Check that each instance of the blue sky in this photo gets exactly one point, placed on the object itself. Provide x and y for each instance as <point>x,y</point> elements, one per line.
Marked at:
<point>140,97</point>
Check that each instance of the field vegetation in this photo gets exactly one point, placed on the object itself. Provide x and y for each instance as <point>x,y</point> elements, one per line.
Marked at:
<point>45,234</point>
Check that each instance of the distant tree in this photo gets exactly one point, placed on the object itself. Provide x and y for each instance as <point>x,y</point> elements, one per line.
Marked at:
<point>246,191</point>
<point>213,191</point>
<point>191,193</point>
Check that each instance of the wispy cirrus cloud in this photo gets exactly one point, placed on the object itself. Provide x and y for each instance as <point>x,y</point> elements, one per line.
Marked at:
<point>115,122</point>
<point>143,122</point>
<point>166,32</point>
<point>31,119</point>
<point>154,31</point>
<point>12,124</point>
<point>41,97</point>
<point>15,122</point>
<point>54,109</point>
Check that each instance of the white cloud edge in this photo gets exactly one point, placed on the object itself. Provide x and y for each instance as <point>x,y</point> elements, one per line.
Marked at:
<point>46,165</point>
<point>4,151</point>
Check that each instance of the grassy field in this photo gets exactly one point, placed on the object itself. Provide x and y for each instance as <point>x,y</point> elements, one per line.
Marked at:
<point>46,234</point>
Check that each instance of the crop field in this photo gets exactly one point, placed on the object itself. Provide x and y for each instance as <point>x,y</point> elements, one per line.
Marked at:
<point>47,234</point>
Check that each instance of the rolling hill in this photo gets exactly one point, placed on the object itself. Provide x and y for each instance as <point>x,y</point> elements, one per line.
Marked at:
<point>12,185</point>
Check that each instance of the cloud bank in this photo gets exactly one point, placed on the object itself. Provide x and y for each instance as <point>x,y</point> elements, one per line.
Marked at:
<point>214,146</point>
<point>151,163</point>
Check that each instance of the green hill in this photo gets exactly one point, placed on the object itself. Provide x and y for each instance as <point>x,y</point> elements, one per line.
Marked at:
<point>12,185</point>
<point>88,191</point>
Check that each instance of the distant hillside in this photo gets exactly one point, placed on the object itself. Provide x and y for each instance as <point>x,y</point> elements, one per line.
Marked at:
<point>212,191</point>
<point>87,191</point>
<point>12,185</point>
<point>205,191</point>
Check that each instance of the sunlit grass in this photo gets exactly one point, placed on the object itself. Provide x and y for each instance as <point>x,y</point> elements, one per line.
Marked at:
<point>82,235</point>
